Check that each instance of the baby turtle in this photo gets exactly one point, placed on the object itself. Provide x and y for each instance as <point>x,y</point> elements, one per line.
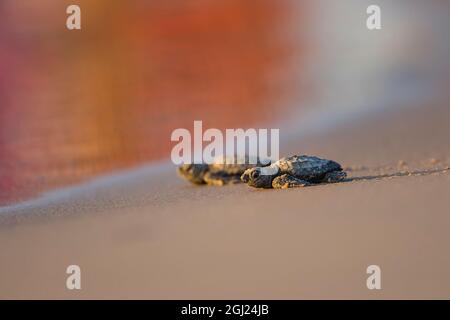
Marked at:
<point>222,171</point>
<point>294,171</point>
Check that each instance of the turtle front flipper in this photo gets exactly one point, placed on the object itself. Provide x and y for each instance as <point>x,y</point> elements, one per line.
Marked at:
<point>287,181</point>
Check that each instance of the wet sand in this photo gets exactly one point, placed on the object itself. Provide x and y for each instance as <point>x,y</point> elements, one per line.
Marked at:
<point>148,234</point>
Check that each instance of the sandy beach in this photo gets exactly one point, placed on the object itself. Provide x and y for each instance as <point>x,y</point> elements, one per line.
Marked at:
<point>148,234</point>
<point>86,118</point>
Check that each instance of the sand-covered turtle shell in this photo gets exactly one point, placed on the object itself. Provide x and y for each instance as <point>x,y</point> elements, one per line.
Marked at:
<point>194,173</point>
<point>224,170</point>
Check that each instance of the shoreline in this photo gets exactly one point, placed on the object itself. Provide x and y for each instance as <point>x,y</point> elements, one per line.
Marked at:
<point>315,124</point>
<point>14,213</point>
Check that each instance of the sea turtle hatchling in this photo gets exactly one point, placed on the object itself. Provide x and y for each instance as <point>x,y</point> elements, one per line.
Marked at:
<point>224,170</point>
<point>294,171</point>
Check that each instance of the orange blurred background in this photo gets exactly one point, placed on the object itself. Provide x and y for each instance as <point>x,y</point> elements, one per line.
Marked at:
<point>74,104</point>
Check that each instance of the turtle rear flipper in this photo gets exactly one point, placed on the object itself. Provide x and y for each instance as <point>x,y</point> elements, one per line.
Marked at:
<point>334,176</point>
<point>287,181</point>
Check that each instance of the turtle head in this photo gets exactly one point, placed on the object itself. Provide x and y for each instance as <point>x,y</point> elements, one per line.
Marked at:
<point>194,173</point>
<point>259,177</point>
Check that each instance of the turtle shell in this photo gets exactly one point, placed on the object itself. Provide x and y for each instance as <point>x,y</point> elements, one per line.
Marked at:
<point>309,168</point>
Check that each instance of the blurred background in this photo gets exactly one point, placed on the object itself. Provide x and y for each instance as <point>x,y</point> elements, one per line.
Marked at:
<point>75,104</point>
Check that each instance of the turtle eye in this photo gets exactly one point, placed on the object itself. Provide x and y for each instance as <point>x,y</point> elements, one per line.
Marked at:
<point>255,174</point>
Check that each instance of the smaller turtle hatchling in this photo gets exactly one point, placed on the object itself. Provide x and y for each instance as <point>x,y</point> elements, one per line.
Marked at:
<point>221,172</point>
<point>294,171</point>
